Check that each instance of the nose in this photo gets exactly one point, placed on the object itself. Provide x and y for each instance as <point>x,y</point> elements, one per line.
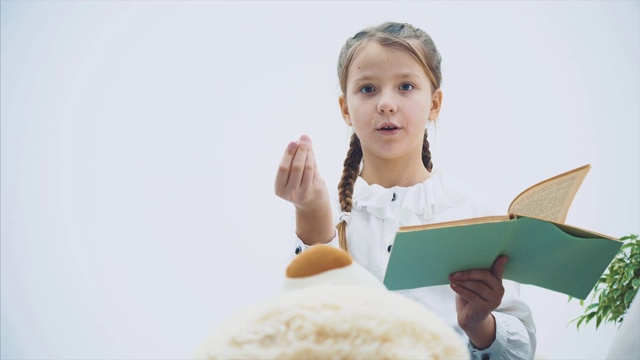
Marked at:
<point>387,103</point>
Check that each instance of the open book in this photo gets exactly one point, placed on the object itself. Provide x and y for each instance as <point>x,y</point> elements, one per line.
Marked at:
<point>542,250</point>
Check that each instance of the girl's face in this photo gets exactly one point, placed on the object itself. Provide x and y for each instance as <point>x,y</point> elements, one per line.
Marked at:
<point>388,101</point>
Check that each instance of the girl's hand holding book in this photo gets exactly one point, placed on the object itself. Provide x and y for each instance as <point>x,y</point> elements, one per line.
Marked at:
<point>479,292</point>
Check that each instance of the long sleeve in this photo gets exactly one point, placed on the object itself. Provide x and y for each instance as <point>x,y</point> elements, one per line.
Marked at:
<point>299,245</point>
<point>515,330</point>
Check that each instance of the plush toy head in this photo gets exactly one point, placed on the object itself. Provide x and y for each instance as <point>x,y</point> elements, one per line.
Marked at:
<point>333,308</point>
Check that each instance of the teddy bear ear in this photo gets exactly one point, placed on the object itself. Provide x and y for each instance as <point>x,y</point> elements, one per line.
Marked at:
<point>317,259</point>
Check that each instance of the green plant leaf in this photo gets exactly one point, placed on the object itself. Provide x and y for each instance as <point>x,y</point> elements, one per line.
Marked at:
<point>616,315</point>
<point>591,306</point>
<point>627,246</point>
<point>629,273</point>
<point>628,297</point>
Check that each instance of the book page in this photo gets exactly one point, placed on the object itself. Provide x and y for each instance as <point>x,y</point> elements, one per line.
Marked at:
<point>550,199</point>
<point>479,220</point>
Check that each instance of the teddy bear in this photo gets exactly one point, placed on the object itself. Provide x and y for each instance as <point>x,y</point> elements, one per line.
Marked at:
<point>330,307</point>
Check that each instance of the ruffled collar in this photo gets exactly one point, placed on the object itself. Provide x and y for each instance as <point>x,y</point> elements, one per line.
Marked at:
<point>409,205</point>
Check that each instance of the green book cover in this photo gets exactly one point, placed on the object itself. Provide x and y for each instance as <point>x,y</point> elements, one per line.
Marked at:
<point>542,253</point>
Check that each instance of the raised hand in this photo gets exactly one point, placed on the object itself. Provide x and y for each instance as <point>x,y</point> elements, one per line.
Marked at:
<point>479,292</point>
<point>299,182</point>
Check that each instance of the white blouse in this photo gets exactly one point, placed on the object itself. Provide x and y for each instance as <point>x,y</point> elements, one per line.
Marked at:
<point>374,220</point>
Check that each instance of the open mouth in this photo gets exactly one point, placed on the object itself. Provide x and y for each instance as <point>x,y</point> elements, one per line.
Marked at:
<point>389,128</point>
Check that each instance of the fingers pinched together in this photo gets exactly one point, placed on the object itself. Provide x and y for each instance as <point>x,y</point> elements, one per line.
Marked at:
<point>298,180</point>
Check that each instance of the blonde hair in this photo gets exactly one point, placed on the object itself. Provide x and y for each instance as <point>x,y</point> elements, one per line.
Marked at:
<point>398,36</point>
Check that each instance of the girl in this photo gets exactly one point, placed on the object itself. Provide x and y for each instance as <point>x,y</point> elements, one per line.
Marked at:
<point>390,80</point>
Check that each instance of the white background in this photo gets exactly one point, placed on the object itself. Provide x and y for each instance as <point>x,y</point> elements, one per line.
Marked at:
<point>140,141</point>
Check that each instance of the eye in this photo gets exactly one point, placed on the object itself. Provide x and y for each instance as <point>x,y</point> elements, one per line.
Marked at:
<point>367,89</point>
<point>406,87</point>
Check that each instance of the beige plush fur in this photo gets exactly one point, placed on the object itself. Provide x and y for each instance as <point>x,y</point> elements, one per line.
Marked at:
<point>335,321</point>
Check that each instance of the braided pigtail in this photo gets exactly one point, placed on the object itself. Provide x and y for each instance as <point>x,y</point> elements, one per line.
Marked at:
<point>350,173</point>
<point>426,154</point>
